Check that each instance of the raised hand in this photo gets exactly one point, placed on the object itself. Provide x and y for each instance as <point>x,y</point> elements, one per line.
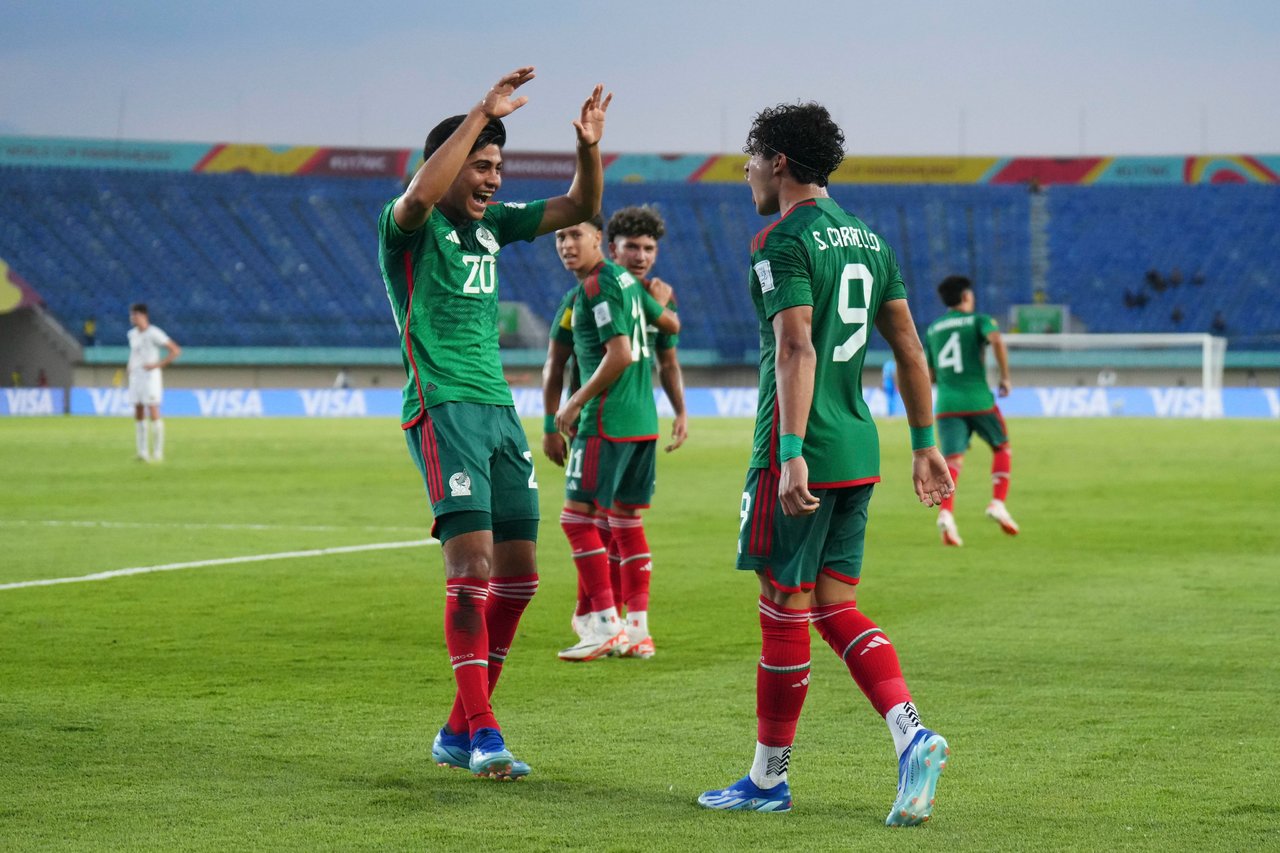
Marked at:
<point>590,125</point>
<point>497,102</point>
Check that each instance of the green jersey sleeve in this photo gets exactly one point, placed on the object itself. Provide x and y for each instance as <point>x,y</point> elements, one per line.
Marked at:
<point>782,273</point>
<point>607,307</point>
<point>896,289</point>
<point>986,325</point>
<point>392,241</point>
<point>652,310</point>
<point>562,323</point>
<point>662,340</point>
<point>514,220</point>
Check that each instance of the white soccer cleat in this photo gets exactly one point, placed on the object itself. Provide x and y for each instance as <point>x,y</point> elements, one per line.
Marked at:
<point>947,528</point>
<point>599,641</point>
<point>580,624</point>
<point>996,512</point>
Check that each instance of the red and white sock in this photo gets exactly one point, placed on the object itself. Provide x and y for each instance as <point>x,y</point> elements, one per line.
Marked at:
<point>782,682</point>
<point>467,637</point>
<point>1000,464</point>
<point>953,465</point>
<point>637,569</point>
<point>873,663</point>
<point>590,556</point>
<point>508,597</point>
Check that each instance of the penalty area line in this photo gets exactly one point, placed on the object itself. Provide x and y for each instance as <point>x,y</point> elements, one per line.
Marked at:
<point>223,561</point>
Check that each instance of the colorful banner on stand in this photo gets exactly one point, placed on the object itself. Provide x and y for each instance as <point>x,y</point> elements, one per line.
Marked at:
<point>634,168</point>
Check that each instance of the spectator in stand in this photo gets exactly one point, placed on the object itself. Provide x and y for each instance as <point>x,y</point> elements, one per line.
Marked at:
<point>1155,281</point>
<point>1219,324</point>
<point>1175,277</point>
<point>1197,278</point>
<point>42,380</point>
<point>1176,316</point>
<point>90,331</point>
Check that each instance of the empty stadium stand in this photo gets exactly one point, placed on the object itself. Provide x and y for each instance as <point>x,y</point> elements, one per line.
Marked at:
<point>237,259</point>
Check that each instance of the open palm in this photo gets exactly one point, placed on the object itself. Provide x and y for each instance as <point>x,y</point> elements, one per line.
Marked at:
<point>590,125</point>
<point>498,102</point>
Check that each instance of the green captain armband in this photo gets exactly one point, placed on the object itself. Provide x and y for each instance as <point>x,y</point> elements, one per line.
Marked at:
<point>921,438</point>
<point>549,424</point>
<point>789,447</point>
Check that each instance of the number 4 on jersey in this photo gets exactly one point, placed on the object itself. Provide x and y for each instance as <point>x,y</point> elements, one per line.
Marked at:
<point>950,354</point>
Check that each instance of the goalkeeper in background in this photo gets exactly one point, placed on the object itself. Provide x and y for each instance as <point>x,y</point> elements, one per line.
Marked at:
<point>956,347</point>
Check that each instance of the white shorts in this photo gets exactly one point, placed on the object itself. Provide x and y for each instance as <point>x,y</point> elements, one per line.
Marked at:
<point>145,387</point>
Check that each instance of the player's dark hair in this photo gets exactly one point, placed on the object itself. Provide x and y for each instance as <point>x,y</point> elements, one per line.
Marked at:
<point>138,307</point>
<point>638,220</point>
<point>596,222</point>
<point>806,133</point>
<point>494,133</point>
<point>952,289</point>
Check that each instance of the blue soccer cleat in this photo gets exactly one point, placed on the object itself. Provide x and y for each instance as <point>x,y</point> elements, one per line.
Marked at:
<point>745,795</point>
<point>454,751</point>
<point>491,758</point>
<point>918,770</point>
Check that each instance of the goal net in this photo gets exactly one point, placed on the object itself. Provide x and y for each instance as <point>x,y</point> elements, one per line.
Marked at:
<point>1106,357</point>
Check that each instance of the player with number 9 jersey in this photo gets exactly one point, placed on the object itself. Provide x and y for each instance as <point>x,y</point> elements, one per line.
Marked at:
<point>822,256</point>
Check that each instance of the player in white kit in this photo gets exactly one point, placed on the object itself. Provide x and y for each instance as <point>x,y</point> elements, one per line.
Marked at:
<point>146,386</point>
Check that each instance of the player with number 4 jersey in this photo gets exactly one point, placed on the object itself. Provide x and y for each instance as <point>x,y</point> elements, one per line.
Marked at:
<point>956,345</point>
<point>819,279</point>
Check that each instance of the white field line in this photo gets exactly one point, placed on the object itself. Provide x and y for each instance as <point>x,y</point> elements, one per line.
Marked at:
<point>224,561</point>
<point>178,525</point>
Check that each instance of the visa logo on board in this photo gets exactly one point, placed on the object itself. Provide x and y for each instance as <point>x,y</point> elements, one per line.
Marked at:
<point>229,403</point>
<point>333,403</point>
<point>29,401</point>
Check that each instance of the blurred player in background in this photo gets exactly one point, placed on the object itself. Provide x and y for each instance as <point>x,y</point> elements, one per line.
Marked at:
<point>633,234</point>
<point>146,383</point>
<point>956,344</point>
<point>614,427</point>
<point>819,278</point>
<point>889,382</point>
<point>438,248</point>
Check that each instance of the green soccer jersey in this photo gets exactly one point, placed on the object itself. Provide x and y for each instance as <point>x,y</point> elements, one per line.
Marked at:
<point>663,340</point>
<point>612,302</point>
<point>819,255</point>
<point>956,347</point>
<point>442,281</point>
<point>562,320</point>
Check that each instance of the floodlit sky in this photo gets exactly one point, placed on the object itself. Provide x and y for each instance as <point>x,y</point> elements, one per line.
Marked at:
<point>911,77</point>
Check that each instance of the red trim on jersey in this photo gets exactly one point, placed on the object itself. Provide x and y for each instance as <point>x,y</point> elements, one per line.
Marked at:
<point>591,284</point>
<point>852,581</point>
<point>600,423</point>
<point>774,465</point>
<point>631,506</point>
<point>845,484</point>
<point>760,542</point>
<point>757,243</point>
<point>804,587</point>
<point>408,342</point>
<point>431,459</point>
<point>591,464</point>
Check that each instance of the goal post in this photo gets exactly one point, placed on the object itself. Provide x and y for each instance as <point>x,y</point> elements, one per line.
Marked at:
<point>1107,353</point>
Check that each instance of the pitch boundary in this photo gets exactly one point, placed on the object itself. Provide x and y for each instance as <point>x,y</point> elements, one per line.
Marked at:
<point>222,561</point>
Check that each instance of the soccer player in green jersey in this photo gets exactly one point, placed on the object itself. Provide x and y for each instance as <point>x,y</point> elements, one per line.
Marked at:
<point>438,250</point>
<point>956,344</point>
<point>819,279</point>
<point>614,427</point>
<point>632,237</point>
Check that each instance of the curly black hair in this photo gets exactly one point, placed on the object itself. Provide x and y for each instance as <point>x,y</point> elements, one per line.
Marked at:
<point>952,289</point>
<point>493,133</point>
<point>637,221</point>
<point>806,133</point>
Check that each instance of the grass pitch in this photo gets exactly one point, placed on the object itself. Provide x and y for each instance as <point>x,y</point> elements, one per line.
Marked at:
<point>1108,679</point>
